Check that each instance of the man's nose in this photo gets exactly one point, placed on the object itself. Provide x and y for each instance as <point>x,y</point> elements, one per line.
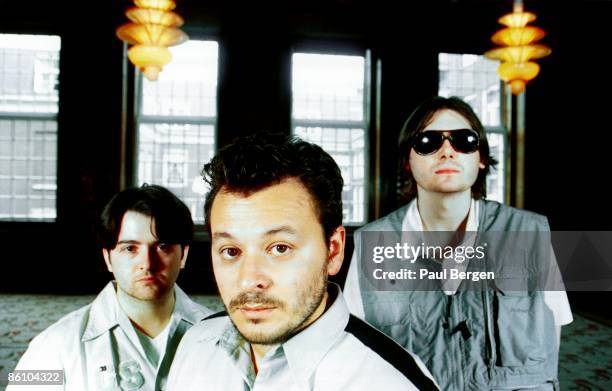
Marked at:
<point>253,275</point>
<point>149,260</point>
<point>447,150</point>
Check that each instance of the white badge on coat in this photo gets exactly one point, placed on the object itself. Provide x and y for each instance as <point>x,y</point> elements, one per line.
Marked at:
<point>131,376</point>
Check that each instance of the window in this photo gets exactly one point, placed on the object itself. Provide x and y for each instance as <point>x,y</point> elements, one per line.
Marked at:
<point>330,108</point>
<point>177,123</point>
<point>28,126</point>
<point>474,79</point>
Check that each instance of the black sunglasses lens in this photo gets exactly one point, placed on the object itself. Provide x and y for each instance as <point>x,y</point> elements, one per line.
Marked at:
<point>465,140</point>
<point>427,142</point>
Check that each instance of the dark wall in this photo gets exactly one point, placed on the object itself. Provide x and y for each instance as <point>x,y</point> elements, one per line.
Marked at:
<point>567,133</point>
<point>568,137</point>
<point>62,257</point>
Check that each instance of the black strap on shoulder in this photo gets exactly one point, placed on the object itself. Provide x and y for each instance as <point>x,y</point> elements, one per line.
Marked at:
<point>390,351</point>
<point>216,315</point>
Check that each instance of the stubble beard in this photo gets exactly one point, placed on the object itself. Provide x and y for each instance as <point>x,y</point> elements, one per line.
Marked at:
<point>147,293</point>
<point>309,300</point>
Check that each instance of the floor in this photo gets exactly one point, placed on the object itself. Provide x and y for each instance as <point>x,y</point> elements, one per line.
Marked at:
<point>585,360</point>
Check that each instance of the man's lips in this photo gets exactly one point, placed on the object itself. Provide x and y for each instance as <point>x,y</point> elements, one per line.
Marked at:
<point>255,305</point>
<point>147,279</point>
<point>256,311</point>
<point>447,171</point>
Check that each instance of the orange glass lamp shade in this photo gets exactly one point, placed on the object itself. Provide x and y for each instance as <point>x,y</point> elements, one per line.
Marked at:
<point>518,74</point>
<point>517,36</point>
<point>149,59</point>
<point>517,48</point>
<point>153,29</point>
<point>518,54</point>
<point>162,5</point>
<point>518,18</point>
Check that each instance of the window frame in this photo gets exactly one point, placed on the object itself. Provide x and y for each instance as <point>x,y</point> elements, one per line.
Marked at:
<point>346,49</point>
<point>139,119</point>
<point>41,225</point>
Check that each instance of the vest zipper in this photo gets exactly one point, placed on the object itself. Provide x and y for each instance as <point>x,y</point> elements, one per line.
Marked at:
<point>489,318</point>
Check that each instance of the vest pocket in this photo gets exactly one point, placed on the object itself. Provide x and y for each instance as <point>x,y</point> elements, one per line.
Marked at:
<point>391,316</point>
<point>519,329</point>
<point>400,333</point>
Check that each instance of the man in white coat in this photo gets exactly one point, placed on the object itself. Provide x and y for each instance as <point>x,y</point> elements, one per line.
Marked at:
<point>126,338</point>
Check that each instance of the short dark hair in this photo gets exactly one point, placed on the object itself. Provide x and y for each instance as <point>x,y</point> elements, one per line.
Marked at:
<point>418,120</point>
<point>263,159</point>
<point>173,222</point>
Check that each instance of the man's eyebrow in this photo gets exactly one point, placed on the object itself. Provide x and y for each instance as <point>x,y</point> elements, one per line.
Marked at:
<point>221,235</point>
<point>282,229</point>
<point>274,231</point>
<point>128,242</point>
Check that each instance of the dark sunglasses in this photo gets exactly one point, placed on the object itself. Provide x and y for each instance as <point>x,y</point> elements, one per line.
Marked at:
<point>430,141</point>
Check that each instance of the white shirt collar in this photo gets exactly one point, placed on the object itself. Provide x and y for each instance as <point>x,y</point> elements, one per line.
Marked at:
<point>412,220</point>
<point>105,312</point>
<point>304,351</point>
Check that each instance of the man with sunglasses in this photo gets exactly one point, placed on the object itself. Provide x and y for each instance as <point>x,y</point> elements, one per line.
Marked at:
<point>484,338</point>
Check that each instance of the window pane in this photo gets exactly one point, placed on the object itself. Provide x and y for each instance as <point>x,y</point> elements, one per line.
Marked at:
<point>474,79</point>
<point>177,124</point>
<point>172,156</point>
<point>328,87</point>
<point>186,86</point>
<point>346,147</point>
<point>28,126</point>
<point>329,109</point>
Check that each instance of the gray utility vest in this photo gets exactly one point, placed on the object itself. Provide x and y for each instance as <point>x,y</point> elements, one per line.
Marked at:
<point>477,339</point>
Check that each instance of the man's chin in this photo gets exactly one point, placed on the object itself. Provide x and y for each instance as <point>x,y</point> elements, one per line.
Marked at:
<point>149,293</point>
<point>450,188</point>
<point>261,331</point>
<point>265,337</point>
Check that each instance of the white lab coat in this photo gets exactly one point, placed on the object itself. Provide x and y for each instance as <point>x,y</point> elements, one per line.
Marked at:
<point>98,348</point>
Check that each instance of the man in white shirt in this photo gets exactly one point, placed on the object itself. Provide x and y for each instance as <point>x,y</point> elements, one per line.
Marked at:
<point>126,338</point>
<point>470,339</point>
<point>274,214</point>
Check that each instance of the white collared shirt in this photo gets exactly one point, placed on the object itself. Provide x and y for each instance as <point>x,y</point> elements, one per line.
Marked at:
<point>412,222</point>
<point>155,348</point>
<point>336,352</point>
<point>98,348</point>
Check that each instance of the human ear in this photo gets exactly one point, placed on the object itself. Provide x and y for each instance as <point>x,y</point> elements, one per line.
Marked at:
<point>185,251</point>
<point>106,255</point>
<point>336,251</point>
